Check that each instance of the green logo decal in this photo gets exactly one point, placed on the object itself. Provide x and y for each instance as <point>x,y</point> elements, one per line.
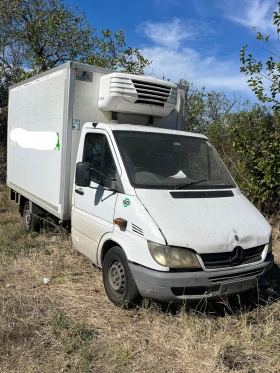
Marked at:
<point>57,143</point>
<point>126,202</point>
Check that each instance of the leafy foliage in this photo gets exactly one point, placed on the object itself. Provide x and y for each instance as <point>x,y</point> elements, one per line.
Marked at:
<point>256,139</point>
<point>204,109</point>
<point>3,121</point>
<point>111,53</point>
<point>247,138</point>
<point>37,35</point>
<point>44,33</point>
<point>264,75</point>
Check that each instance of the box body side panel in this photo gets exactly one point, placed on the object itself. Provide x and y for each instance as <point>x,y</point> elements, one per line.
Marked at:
<point>36,140</point>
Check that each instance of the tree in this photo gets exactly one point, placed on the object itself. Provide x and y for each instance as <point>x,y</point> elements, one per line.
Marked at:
<point>44,33</point>
<point>37,35</point>
<point>264,75</point>
<point>247,138</point>
<point>209,113</point>
<point>111,52</point>
<point>204,109</point>
<point>256,138</point>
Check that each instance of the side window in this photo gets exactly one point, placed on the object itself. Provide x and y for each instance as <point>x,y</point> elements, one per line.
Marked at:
<point>98,153</point>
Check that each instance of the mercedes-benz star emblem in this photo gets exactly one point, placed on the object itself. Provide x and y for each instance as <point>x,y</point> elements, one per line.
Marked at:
<point>237,256</point>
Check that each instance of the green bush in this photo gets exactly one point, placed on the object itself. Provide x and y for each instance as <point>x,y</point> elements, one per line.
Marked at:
<point>249,143</point>
<point>256,139</point>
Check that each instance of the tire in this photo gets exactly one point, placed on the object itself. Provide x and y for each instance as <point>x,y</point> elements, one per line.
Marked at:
<point>118,281</point>
<point>30,222</point>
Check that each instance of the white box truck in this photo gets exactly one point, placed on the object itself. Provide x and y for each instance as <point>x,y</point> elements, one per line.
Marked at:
<point>150,204</point>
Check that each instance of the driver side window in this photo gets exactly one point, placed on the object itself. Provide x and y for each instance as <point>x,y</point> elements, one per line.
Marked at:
<point>98,153</point>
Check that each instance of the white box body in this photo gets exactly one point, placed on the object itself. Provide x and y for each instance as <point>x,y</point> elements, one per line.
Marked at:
<point>58,103</point>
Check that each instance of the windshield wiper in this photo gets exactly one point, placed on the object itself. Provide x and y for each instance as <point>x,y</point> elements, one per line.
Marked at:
<point>182,185</point>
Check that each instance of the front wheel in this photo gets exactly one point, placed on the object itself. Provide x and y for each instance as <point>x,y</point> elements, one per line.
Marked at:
<point>119,284</point>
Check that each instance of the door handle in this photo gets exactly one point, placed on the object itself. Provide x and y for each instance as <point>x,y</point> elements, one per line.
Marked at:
<point>79,191</point>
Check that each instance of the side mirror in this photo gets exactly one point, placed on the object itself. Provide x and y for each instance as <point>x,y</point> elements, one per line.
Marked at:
<point>111,184</point>
<point>82,178</point>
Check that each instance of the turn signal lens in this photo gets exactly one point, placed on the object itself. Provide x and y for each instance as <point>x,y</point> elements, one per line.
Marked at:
<point>122,223</point>
<point>173,257</point>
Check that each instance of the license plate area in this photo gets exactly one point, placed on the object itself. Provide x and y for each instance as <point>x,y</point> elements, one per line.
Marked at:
<point>238,286</point>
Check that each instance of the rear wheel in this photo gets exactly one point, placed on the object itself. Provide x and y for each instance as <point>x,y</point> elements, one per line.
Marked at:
<point>119,284</point>
<point>30,221</point>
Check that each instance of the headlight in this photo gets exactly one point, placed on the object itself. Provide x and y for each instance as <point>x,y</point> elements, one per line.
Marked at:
<point>173,257</point>
<point>269,250</point>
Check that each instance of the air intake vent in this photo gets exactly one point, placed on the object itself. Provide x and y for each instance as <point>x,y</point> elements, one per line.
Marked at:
<point>237,276</point>
<point>137,229</point>
<point>137,94</point>
<point>203,194</point>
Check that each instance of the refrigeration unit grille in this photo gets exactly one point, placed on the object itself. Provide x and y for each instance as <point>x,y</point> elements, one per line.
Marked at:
<point>129,93</point>
<point>152,93</point>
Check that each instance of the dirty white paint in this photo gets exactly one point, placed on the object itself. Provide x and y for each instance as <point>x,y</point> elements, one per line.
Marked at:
<point>206,225</point>
<point>39,140</point>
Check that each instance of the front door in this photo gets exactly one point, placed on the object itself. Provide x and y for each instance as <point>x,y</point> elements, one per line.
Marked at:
<point>93,210</point>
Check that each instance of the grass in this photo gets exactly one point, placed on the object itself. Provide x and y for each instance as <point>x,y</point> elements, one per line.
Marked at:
<point>69,325</point>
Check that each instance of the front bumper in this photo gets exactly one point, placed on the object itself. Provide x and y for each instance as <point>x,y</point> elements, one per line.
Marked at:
<point>179,286</point>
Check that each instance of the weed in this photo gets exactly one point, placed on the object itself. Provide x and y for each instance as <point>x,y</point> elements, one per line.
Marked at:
<point>59,323</point>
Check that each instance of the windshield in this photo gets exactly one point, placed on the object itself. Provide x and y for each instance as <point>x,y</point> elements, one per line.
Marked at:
<point>157,160</point>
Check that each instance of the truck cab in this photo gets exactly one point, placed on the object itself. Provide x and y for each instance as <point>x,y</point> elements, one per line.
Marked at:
<point>159,212</point>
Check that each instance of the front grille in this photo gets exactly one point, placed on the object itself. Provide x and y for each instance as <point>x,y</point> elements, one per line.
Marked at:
<point>224,260</point>
<point>153,93</point>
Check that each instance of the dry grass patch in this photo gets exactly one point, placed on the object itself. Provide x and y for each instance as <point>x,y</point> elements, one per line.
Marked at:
<point>69,325</point>
<point>275,222</point>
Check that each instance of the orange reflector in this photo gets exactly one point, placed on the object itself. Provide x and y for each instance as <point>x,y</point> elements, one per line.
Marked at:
<point>122,223</point>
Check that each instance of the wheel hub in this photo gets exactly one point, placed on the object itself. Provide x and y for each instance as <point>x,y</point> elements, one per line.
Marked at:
<point>116,277</point>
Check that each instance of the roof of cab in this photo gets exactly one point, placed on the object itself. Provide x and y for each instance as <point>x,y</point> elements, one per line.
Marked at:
<point>138,128</point>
